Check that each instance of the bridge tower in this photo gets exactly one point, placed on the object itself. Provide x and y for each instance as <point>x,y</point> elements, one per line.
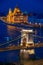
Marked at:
<point>27,40</point>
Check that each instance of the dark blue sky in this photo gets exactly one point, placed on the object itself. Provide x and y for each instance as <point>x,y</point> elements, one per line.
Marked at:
<point>25,5</point>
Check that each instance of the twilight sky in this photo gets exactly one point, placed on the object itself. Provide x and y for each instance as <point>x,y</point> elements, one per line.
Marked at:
<point>25,5</point>
<point>35,6</point>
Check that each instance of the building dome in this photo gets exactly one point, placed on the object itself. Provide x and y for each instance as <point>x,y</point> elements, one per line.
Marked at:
<point>25,13</point>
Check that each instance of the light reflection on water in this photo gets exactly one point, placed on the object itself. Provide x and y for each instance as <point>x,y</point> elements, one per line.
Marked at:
<point>10,32</point>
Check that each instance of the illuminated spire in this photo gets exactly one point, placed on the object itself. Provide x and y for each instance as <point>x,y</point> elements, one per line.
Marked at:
<point>10,12</point>
<point>16,10</point>
<point>9,15</point>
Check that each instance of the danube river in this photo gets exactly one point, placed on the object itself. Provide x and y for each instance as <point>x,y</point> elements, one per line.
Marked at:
<point>9,33</point>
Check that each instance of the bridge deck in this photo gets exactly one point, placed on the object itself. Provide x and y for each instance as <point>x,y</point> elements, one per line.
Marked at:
<point>21,47</point>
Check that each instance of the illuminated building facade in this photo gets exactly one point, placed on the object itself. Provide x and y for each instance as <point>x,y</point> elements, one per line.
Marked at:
<point>17,16</point>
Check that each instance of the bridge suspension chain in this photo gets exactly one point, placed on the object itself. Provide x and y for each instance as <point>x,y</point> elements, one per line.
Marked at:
<point>18,37</point>
<point>37,36</point>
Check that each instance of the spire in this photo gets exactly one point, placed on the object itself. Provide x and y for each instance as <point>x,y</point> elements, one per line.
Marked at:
<point>10,11</point>
<point>16,10</point>
<point>17,6</point>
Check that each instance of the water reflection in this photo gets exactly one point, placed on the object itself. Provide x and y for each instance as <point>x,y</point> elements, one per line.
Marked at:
<point>12,33</point>
<point>11,30</point>
<point>8,33</point>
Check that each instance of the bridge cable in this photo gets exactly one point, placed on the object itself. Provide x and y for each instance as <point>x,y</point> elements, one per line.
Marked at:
<point>18,37</point>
